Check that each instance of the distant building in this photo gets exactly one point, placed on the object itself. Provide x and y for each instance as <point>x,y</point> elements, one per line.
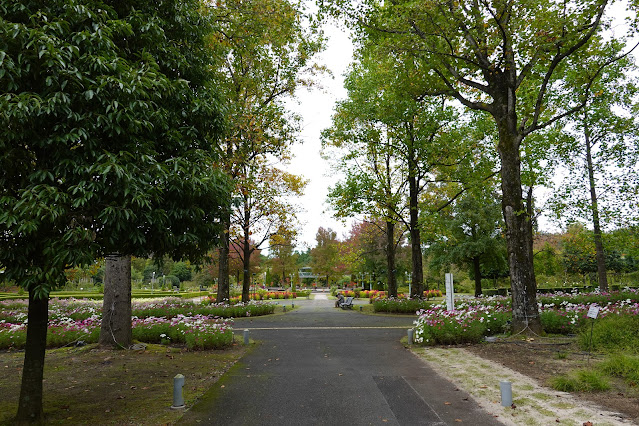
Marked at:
<point>307,272</point>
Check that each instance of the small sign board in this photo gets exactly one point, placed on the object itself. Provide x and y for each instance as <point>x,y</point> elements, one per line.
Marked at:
<point>450,293</point>
<point>593,311</point>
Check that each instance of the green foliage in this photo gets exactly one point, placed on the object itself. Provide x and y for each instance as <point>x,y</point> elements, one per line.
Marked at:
<point>75,320</point>
<point>452,330</point>
<point>578,252</point>
<point>170,281</point>
<point>453,333</point>
<point>600,190</point>
<point>472,229</point>
<point>623,366</point>
<point>325,255</point>
<point>546,262</point>
<point>600,299</point>
<point>584,380</point>
<point>182,271</point>
<point>401,306</point>
<point>612,333</point>
<point>560,322</point>
<point>97,155</point>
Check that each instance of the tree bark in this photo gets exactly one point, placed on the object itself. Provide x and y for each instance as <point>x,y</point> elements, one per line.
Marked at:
<point>390,259</point>
<point>246,279</point>
<point>246,254</point>
<point>30,402</point>
<point>417,288</point>
<point>116,329</point>
<point>477,272</point>
<point>602,273</point>
<point>223,285</point>
<point>518,234</point>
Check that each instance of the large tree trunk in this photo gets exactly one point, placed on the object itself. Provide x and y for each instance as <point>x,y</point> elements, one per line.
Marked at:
<point>30,403</point>
<point>477,272</point>
<point>246,263</point>
<point>390,259</point>
<point>116,329</point>
<point>246,253</point>
<point>602,273</point>
<point>417,289</point>
<point>518,234</point>
<point>223,285</point>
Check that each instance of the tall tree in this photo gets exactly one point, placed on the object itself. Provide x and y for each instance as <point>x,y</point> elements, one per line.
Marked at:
<point>266,53</point>
<point>472,235</point>
<point>324,256</point>
<point>282,256</point>
<point>264,209</point>
<point>97,155</point>
<point>507,59</point>
<point>604,133</point>
<point>422,142</point>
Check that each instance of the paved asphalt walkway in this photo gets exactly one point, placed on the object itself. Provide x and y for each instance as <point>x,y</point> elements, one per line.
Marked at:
<point>318,365</point>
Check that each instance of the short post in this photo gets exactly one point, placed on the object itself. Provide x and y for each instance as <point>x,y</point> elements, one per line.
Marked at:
<point>178,399</point>
<point>410,336</point>
<point>292,305</point>
<point>246,336</point>
<point>361,308</point>
<point>506,393</point>
<point>284,308</point>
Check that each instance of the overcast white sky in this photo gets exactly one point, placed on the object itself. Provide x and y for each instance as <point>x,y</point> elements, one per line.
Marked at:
<point>316,107</point>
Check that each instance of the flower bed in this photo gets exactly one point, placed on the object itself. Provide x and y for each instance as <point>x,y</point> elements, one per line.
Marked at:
<point>165,321</point>
<point>266,295</point>
<point>399,305</point>
<point>473,319</point>
<point>377,294</point>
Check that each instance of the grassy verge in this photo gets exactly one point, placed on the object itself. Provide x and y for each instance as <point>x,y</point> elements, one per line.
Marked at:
<point>616,340</point>
<point>90,385</point>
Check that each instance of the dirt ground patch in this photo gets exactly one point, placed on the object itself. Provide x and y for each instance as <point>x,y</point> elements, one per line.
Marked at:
<point>90,385</point>
<point>544,358</point>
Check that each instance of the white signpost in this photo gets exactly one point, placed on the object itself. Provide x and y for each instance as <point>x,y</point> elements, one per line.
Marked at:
<point>450,293</point>
<point>593,311</point>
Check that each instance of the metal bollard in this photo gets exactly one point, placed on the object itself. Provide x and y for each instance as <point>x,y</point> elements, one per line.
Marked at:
<point>246,336</point>
<point>292,305</point>
<point>284,308</point>
<point>178,384</point>
<point>410,336</point>
<point>506,393</point>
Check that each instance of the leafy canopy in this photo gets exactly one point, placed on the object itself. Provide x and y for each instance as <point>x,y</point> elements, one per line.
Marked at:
<point>107,120</point>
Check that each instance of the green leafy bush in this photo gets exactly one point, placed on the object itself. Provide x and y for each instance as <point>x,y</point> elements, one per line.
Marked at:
<point>612,333</point>
<point>401,306</point>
